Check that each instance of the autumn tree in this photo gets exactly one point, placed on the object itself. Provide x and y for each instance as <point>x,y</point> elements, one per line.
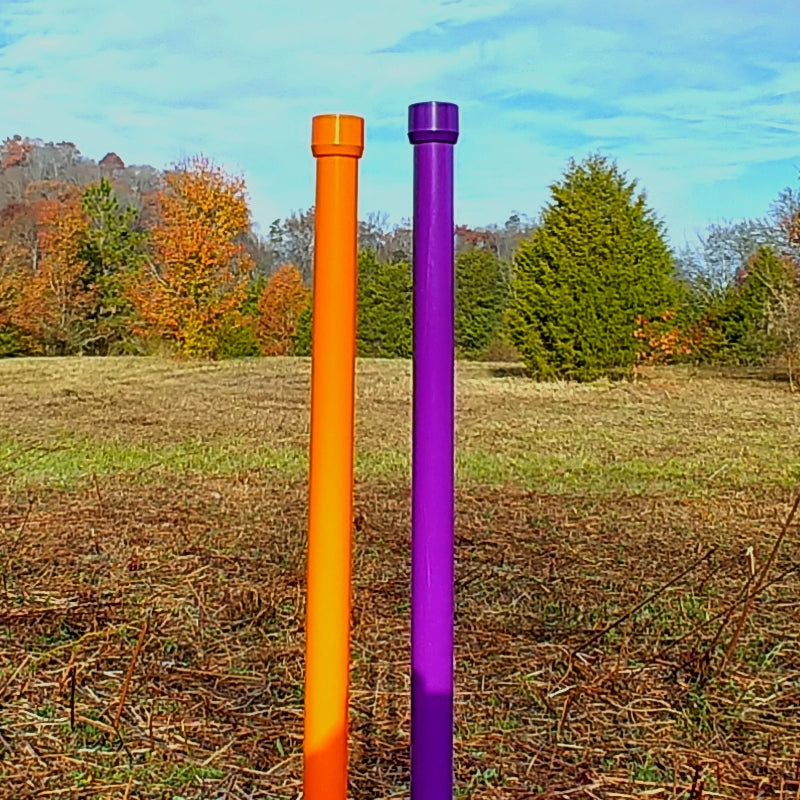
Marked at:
<point>52,300</point>
<point>785,215</point>
<point>667,338</point>
<point>18,232</point>
<point>11,255</point>
<point>258,247</point>
<point>283,300</point>
<point>501,241</point>
<point>783,313</point>
<point>197,277</point>
<point>785,306</point>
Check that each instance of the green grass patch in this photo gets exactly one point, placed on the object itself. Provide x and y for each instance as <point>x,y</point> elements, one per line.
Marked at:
<point>70,461</point>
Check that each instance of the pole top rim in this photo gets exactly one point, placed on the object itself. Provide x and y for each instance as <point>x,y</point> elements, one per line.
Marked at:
<point>337,135</point>
<point>433,121</point>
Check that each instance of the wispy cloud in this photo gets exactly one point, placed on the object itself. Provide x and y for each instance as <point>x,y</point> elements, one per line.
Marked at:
<point>699,101</point>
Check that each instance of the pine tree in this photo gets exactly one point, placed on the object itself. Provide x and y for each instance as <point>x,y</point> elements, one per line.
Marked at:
<point>753,319</point>
<point>596,263</point>
<point>113,249</point>
<point>481,297</point>
<point>385,309</point>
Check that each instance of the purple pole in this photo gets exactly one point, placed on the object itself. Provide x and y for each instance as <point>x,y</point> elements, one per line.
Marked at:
<point>433,130</point>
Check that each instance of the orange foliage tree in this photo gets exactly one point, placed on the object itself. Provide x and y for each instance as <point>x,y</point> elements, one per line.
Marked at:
<point>9,256</point>
<point>19,255</point>
<point>50,299</point>
<point>284,298</point>
<point>196,280</point>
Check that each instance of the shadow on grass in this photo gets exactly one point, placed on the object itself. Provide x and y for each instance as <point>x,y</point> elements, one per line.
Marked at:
<point>767,374</point>
<point>778,374</point>
<point>509,371</point>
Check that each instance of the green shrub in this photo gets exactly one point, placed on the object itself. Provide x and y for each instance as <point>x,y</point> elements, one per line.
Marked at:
<point>237,339</point>
<point>12,342</point>
<point>302,335</point>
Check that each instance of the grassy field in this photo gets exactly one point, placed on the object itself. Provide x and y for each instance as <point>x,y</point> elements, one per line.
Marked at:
<point>628,601</point>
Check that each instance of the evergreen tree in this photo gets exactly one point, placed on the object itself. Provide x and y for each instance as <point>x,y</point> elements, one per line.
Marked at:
<point>746,319</point>
<point>597,262</point>
<point>482,286</point>
<point>238,337</point>
<point>385,308</point>
<point>113,248</point>
<point>302,334</point>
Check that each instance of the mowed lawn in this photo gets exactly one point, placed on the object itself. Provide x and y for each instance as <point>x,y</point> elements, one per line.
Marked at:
<point>628,601</point>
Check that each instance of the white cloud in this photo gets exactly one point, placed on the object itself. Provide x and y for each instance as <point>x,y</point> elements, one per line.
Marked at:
<point>686,95</point>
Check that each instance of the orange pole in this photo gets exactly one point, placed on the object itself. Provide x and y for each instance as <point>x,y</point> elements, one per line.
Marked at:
<point>337,143</point>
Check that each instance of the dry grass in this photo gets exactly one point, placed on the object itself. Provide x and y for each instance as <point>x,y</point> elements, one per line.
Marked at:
<point>62,420</point>
<point>611,643</point>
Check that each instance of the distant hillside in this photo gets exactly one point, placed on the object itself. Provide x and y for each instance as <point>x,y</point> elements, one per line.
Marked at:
<point>27,166</point>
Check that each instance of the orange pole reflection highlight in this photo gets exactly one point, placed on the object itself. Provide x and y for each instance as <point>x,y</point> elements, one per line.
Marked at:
<point>337,142</point>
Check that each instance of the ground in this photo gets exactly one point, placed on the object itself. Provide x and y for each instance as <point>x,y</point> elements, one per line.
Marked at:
<point>627,595</point>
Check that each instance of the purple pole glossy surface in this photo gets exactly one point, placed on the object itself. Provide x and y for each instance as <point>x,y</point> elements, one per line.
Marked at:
<point>433,130</point>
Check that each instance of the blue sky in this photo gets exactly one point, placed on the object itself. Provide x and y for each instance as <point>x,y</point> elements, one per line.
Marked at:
<point>699,100</point>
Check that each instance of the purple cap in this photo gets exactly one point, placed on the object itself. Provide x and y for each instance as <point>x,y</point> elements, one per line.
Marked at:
<point>433,122</point>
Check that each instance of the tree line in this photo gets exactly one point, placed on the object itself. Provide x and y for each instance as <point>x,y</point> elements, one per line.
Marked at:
<point>102,259</point>
<point>94,262</point>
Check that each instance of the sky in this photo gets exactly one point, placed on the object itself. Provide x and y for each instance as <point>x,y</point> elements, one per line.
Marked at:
<point>698,100</point>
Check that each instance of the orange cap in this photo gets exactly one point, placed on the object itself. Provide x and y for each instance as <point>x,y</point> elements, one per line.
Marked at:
<point>337,135</point>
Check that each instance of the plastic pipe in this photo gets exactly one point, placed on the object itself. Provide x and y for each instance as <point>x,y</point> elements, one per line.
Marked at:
<point>337,142</point>
<point>433,130</point>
